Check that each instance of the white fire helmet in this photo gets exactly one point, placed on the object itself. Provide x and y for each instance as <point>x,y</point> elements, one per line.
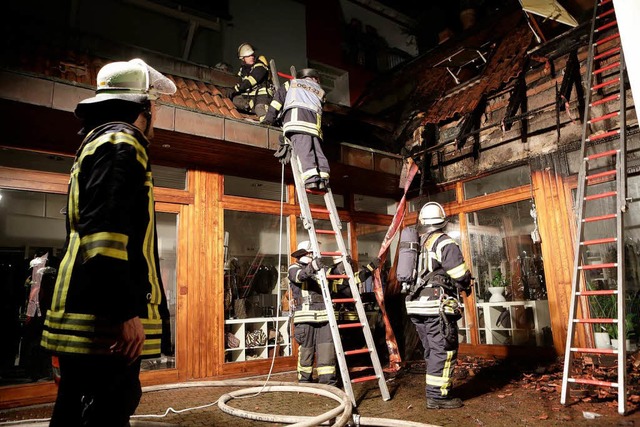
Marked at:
<point>133,81</point>
<point>431,217</point>
<point>245,49</point>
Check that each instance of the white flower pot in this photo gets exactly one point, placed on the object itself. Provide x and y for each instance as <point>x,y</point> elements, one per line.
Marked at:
<point>496,294</point>
<point>602,340</point>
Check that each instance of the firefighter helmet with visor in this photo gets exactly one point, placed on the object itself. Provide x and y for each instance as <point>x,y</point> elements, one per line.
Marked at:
<point>308,72</point>
<point>431,217</point>
<point>132,81</point>
<point>245,49</point>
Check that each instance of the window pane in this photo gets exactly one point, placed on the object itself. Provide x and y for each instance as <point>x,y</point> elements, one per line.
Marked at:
<point>167,177</point>
<point>375,204</point>
<point>31,160</point>
<point>511,295</point>
<point>370,239</point>
<point>318,199</point>
<point>497,182</point>
<point>32,235</point>
<point>442,197</point>
<point>255,275</point>
<point>167,227</point>
<point>255,188</point>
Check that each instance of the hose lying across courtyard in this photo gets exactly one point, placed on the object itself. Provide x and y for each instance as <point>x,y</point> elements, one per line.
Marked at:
<point>343,411</point>
<point>341,414</point>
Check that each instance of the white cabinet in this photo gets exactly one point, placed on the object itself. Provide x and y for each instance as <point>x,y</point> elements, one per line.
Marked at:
<point>240,328</point>
<point>514,322</point>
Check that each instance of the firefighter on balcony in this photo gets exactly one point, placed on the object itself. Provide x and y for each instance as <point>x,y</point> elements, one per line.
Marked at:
<point>311,324</point>
<point>255,90</point>
<point>432,302</point>
<point>298,104</point>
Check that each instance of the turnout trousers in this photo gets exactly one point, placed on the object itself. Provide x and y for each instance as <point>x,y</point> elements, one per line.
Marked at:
<point>440,353</point>
<point>96,391</point>
<point>314,339</point>
<point>313,163</point>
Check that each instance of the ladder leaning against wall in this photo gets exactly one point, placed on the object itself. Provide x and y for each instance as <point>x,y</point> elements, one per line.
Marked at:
<point>598,280</point>
<point>362,323</point>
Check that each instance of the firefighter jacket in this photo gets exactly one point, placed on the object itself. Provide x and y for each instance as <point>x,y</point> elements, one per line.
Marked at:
<point>340,289</point>
<point>307,295</point>
<point>299,102</point>
<point>442,273</point>
<point>110,270</point>
<point>255,80</point>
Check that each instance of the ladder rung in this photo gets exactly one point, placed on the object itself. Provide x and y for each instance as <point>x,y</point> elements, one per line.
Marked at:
<point>595,320</point>
<point>594,350</point>
<point>602,154</point>
<point>593,382</point>
<point>342,300</point>
<point>603,135</point>
<point>607,53</point>
<point>325,232</point>
<point>599,241</point>
<point>350,325</point>
<point>359,351</point>
<point>608,67</point>
<point>607,25</point>
<point>604,117</point>
<point>606,39</point>
<point>603,2</point>
<point>331,253</point>
<point>598,266</point>
<point>600,195</point>
<point>614,97</point>
<point>599,218</point>
<point>597,292</point>
<point>337,276</point>
<point>601,174</point>
<point>606,83</point>
<point>363,379</point>
<point>315,191</point>
<point>605,14</point>
<point>319,210</point>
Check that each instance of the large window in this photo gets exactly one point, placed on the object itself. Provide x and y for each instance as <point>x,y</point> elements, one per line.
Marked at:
<point>255,269</point>
<point>511,295</point>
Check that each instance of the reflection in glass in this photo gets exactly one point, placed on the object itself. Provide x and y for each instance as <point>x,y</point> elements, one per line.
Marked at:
<point>510,285</point>
<point>497,182</point>
<point>167,228</point>
<point>255,272</point>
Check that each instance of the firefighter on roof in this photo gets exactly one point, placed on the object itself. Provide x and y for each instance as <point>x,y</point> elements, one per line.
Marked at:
<point>432,302</point>
<point>254,91</point>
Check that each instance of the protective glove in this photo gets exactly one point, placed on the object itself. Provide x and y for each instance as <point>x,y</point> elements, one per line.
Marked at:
<point>314,266</point>
<point>229,92</point>
<point>284,151</point>
<point>373,264</point>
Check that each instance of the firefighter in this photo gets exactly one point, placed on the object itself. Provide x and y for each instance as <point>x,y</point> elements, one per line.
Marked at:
<point>311,324</point>
<point>432,303</point>
<point>255,90</point>
<point>109,308</point>
<point>298,104</point>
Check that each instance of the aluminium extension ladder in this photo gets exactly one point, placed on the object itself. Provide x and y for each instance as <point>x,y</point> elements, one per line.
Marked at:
<point>609,93</point>
<point>362,323</point>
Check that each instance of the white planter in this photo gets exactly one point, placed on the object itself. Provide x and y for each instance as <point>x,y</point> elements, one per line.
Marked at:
<point>496,294</point>
<point>602,340</point>
<point>614,345</point>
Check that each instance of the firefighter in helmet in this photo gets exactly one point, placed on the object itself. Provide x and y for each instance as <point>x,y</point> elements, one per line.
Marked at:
<point>311,324</point>
<point>109,307</point>
<point>433,303</point>
<point>298,104</point>
<point>254,91</point>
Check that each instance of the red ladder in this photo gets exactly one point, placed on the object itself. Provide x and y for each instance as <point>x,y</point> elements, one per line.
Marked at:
<point>604,163</point>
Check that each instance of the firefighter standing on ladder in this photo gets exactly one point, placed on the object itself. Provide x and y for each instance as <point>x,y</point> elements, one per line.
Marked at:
<point>311,324</point>
<point>432,304</point>
<point>300,102</point>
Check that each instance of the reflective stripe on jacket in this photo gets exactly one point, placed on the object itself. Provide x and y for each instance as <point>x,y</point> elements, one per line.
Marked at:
<point>255,79</point>
<point>110,270</point>
<point>307,294</point>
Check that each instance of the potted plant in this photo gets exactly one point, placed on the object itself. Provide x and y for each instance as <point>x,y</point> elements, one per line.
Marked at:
<point>602,307</point>
<point>497,287</point>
